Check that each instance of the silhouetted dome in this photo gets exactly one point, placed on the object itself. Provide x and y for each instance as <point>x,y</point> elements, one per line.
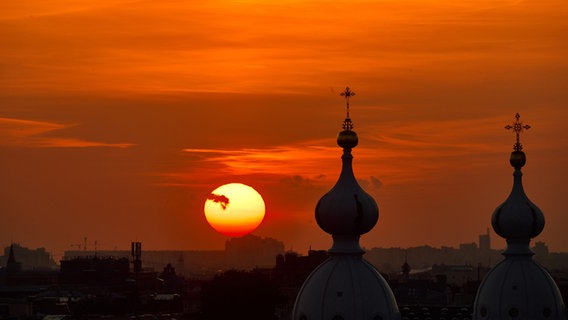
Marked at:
<point>517,217</point>
<point>347,209</point>
<point>518,287</point>
<point>346,286</point>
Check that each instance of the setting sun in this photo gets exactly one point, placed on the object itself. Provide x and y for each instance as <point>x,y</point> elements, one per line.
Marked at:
<point>134,114</point>
<point>234,209</point>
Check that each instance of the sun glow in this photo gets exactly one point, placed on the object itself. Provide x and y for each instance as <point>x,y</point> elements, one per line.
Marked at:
<point>234,209</point>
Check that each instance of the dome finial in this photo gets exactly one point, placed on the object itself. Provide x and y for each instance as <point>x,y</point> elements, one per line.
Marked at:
<point>347,124</point>
<point>518,219</point>
<point>345,286</point>
<point>518,286</point>
<point>347,211</point>
<point>347,139</point>
<point>518,157</point>
<point>518,127</point>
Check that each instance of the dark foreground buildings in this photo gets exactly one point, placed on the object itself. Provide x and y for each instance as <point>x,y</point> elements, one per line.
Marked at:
<point>107,286</point>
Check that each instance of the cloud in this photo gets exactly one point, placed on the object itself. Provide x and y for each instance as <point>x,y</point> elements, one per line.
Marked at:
<point>389,153</point>
<point>371,183</point>
<point>221,199</point>
<point>30,133</point>
<point>298,181</point>
<point>292,160</point>
<point>375,182</point>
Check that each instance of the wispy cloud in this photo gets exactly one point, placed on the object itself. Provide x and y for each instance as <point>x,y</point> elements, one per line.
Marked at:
<point>286,160</point>
<point>388,154</point>
<point>31,133</point>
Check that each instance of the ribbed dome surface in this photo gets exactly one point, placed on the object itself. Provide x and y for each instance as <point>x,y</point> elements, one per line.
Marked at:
<point>349,288</point>
<point>518,288</point>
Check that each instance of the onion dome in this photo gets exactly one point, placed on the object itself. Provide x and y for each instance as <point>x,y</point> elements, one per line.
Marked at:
<point>347,211</point>
<point>518,219</point>
<point>518,287</point>
<point>345,286</point>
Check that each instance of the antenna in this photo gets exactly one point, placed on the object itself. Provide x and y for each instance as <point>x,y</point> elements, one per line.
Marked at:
<point>136,254</point>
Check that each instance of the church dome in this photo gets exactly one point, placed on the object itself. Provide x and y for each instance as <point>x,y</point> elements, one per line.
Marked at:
<point>345,286</point>
<point>349,288</point>
<point>518,287</point>
<point>517,217</point>
<point>347,209</point>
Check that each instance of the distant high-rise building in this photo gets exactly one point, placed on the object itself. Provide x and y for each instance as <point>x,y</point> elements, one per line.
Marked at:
<point>346,286</point>
<point>405,270</point>
<point>485,242</point>
<point>518,287</point>
<point>540,248</point>
<point>180,266</point>
<point>136,250</point>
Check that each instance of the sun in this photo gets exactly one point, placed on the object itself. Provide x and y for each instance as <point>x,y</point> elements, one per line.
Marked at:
<point>234,209</point>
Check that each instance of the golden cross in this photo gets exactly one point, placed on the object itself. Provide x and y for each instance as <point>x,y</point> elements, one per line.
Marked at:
<point>518,127</point>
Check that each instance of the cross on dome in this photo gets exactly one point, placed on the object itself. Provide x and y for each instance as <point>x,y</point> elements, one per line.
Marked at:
<point>347,124</point>
<point>518,286</point>
<point>346,286</point>
<point>517,127</point>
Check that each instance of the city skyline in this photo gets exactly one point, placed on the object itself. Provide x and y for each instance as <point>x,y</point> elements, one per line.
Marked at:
<point>118,119</point>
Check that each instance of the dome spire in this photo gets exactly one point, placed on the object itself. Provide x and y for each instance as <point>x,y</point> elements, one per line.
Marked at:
<point>518,219</point>
<point>347,211</point>
<point>347,139</point>
<point>346,286</point>
<point>518,287</point>
<point>518,158</point>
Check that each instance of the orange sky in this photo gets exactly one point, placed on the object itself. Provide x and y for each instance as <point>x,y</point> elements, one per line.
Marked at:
<point>117,118</point>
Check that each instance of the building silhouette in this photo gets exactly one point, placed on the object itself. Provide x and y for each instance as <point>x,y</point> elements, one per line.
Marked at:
<point>95,270</point>
<point>346,286</point>
<point>246,252</point>
<point>29,259</point>
<point>12,265</point>
<point>485,242</point>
